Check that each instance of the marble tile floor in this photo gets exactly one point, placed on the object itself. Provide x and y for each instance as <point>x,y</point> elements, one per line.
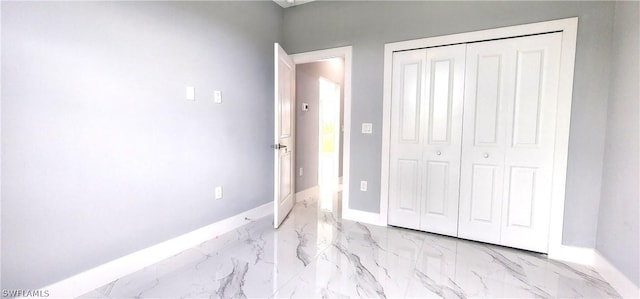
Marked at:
<point>315,254</point>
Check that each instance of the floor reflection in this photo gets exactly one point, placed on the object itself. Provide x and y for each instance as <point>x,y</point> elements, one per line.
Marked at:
<point>316,254</point>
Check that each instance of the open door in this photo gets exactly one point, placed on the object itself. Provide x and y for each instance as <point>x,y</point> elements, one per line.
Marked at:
<point>284,181</point>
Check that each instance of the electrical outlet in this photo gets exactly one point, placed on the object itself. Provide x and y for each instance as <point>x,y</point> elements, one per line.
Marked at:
<point>363,185</point>
<point>219,192</point>
<point>217,97</point>
<point>367,128</point>
<point>301,171</point>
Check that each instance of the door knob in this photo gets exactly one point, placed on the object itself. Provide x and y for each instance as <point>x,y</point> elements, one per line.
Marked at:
<point>486,155</point>
<point>438,153</point>
<point>278,146</point>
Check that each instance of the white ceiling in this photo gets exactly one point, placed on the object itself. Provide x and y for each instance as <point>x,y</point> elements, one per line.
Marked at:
<point>289,3</point>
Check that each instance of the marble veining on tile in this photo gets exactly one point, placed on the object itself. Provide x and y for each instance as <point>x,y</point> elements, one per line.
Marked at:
<point>316,254</point>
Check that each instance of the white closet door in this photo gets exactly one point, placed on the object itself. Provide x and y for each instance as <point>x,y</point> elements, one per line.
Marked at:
<point>509,130</point>
<point>426,132</point>
<point>488,82</point>
<point>442,115</point>
<point>530,136</point>
<point>406,138</point>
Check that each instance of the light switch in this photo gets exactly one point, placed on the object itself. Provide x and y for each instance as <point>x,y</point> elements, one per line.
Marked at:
<point>191,93</point>
<point>218,192</point>
<point>217,97</point>
<point>367,128</point>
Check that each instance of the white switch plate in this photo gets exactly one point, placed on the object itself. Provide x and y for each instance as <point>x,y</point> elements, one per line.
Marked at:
<point>367,128</point>
<point>191,93</point>
<point>363,185</point>
<point>219,192</point>
<point>217,97</point>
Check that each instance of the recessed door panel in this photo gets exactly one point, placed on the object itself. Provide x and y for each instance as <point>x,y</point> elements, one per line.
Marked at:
<point>483,193</point>
<point>407,181</point>
<point>285,182</point>
<point>480,214</point>
<point>437,187</point>
<point>527,101</point>
<point>285,102</point>
<point>440,112</point>
<point>487,99</point>
<point>522,187</point>
<point>409,103</point>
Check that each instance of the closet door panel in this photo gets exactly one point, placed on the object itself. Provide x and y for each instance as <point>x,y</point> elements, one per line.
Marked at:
<point>406,138</point>
<point>442,114</point>
<point>489,73</point>
<point>530,143</point>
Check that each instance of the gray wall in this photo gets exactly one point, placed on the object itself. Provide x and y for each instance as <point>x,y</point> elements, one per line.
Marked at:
<point>101,154</point>
<point>367,26</point>
<point>307,91</point>
<point>619,219</point>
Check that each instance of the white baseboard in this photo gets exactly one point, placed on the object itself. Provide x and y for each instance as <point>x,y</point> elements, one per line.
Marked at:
<point>593,258</point>
<point>361,216</point>
<point>572,254</point>
<point>613,276</point>
<point>89,280</point>
<point>309,192</point>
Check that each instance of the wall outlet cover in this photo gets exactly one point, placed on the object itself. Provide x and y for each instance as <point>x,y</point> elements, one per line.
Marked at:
<point>367,128</point>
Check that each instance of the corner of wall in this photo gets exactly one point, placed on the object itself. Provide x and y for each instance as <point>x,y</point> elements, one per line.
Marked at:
<point>625,287</point>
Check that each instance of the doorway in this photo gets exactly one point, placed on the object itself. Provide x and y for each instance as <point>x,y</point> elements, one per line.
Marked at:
<point>323,100</point>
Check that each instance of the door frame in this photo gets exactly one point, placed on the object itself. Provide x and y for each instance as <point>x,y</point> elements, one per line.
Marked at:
<point>346,54</point>
<point>569,28</point>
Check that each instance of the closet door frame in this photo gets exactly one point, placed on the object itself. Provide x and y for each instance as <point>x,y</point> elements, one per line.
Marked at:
<point>569,28</point>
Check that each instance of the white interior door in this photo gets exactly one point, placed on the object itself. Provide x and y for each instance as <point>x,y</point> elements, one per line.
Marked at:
<point>530,136</point>
<point>488,85</point>
<point>284,181</point>
<point>426,130</point>
<point>508,142</point>
<point>442,141</point>
<point>406,138</point>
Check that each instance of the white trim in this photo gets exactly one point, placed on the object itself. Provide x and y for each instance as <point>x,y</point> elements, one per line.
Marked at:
<point>625,287</point>
<point>569,29</point>
<point>92,279</point>
<point>593,258</point>
<point>578,255</point>
<point>346,54</point>
<point>309,192</point>
<point>361,216</point>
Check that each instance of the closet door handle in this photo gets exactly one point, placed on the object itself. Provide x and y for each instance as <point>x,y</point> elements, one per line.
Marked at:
<point>438,153</point>
<point>486,155</point>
